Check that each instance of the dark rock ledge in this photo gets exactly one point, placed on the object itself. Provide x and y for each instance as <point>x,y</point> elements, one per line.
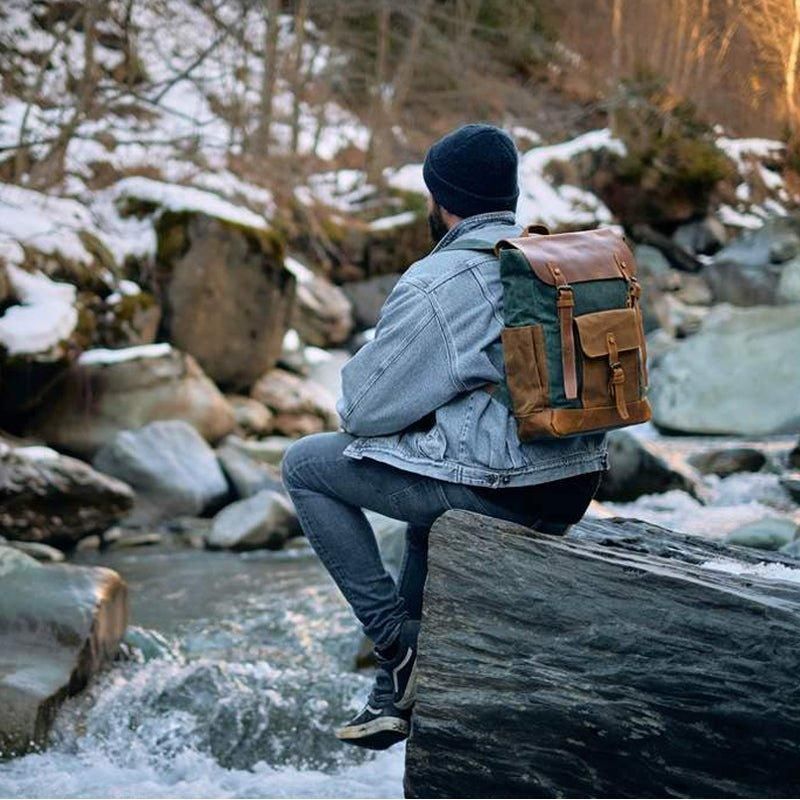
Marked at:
<point>610,663</point>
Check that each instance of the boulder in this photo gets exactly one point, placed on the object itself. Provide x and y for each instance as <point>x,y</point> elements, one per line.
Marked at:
<point>170,466</point>
<point>246,475</point>
<point>639,466</point>
<point>322,312</point>
<point>53,499</point>
<point>226,295</point>
<point>325,368</point>
<point>738,375</point>
<point>749,270</point>
<point>794,457</point>
<point>300,406</point>
<point>791,482</point>
<point>108,391</point>
<point>128,317</point>
<point>368,297</point>
<point>769,533</point>
<point>59,624</point>
<point>268,450</point>
<point>728,460</point>
<point>623,660</point>
<point>701,237</point>
<point>265,520</point>
<point>251,417</point>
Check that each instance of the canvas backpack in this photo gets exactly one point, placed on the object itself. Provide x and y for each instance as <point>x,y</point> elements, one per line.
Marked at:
<point>573,340</point>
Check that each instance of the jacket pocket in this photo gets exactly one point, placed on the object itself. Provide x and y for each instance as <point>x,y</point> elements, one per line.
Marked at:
<point>526,368</point>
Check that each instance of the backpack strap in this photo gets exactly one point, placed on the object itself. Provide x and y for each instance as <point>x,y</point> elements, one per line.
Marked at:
<point>471,244</point>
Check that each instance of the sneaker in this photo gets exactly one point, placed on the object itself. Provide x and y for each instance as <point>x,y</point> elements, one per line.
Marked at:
<point>379,725</point>
<point>402,667</point>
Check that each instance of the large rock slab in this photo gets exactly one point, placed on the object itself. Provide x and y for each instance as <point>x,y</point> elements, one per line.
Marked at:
<point>55,499</point>
<point>738,375</point>
<point>623,660</point>
<point>172,469</point>
<point>226,294</point>
<point>58,625</point>
<point>108,391</point>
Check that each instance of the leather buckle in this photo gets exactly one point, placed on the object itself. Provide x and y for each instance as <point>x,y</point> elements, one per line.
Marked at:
<point>565,298</point>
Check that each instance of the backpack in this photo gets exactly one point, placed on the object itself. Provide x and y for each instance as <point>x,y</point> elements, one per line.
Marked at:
<point>573,340</point>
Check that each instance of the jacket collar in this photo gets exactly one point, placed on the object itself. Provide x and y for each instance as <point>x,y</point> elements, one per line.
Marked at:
<point>491,219</point>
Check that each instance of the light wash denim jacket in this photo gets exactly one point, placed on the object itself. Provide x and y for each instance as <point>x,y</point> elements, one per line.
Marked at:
<point>436,343</point>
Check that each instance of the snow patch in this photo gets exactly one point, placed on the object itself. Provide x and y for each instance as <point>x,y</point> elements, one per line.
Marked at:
<point>387,223</point>
<point>187,198</point>
<point>763,569</point>
<point>407,178</point>
<point>299,270</point>
<point>104,356</point>
<point>45,316</point>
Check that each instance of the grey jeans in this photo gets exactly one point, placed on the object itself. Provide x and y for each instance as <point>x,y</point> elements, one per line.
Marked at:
<point>330,491</point>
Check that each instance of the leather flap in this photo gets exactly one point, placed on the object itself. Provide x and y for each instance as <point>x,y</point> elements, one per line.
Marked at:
<point>580,255</point>
<point>593,330</point>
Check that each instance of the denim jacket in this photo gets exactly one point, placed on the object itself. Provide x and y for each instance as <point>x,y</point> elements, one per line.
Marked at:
<point>412,397</point>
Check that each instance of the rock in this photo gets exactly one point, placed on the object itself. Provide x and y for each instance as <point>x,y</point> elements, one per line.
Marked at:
<point>791,482</point>
<point>251,417</point>
<point>794,456</point>
<point>727,461</point>
<point>701,237</point>
<point>596,665</point>
<point>53,499</point>
<point>322,313</point>
<point>770,533</point>
<point>791,549</point>
<point>169,465</point>
<point>679,258</point>
<point>789,284</point>
<point>738,375</point>
<point>226,294</point>
<point>300,406</point>
<point>638,466</point>
<point>265,520</point>
<point>108,391</point>
<point>247,476</point>
<point>121,539</point>
<point>748,271</point>
<point>39,551</point>
<point>269,450</point>
<point>368,297</point>
<point>59,624</point>
<point>127,318</point>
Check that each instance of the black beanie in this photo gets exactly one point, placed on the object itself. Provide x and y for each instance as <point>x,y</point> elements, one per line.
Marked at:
<point>473,170</point>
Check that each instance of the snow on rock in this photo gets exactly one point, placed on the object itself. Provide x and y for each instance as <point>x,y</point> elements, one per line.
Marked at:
<point>542,201</point>
<point>763,569</point>
<point>741,151</point>
<point>186,198</point>
<point>301,272</point>
<point>45,316</point>
<point>342,189</point>
<point>102,355</point>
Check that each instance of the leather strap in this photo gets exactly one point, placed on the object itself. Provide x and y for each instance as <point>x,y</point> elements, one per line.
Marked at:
<point>634,293</point>
<point>565,303</point>
<point>617,383</point>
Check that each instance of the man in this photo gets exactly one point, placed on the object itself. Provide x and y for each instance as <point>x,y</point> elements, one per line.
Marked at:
<point>420,435</point>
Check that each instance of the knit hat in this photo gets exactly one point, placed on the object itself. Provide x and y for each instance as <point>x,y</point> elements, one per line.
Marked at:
<point>473,170</point>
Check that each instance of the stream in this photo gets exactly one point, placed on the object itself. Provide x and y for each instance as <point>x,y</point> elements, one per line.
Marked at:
<point>253,670</point>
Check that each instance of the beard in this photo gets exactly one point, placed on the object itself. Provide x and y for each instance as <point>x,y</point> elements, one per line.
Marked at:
<point>436,224</point>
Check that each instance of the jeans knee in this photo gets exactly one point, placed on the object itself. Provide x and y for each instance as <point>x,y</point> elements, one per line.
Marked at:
<point>301,452</point>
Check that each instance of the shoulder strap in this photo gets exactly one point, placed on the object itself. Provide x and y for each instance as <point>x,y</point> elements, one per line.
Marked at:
<point>471,244</point>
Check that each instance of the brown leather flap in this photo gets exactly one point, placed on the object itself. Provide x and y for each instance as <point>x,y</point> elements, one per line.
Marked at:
<point>593,330</point>
<point>580,255</point>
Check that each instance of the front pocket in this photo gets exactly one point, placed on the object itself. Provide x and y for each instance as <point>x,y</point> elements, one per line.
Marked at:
<point>526,368</point>
<point>612,350</point>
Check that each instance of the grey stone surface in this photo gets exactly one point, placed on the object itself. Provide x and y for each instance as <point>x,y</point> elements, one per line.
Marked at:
<point>58,625</point>
<point>265,520</point>
<point>50,498</point>
<point>748,271</point>
<point>247,475</point>
<point>368,296</point>
<point>638,466</point>
<point>170,466</point>
<point>611,663</point>
<point>738,375</point>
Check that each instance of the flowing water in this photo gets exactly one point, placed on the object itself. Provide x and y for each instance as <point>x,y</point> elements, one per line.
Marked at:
<point>254,670</point>
<point>239,698</point>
